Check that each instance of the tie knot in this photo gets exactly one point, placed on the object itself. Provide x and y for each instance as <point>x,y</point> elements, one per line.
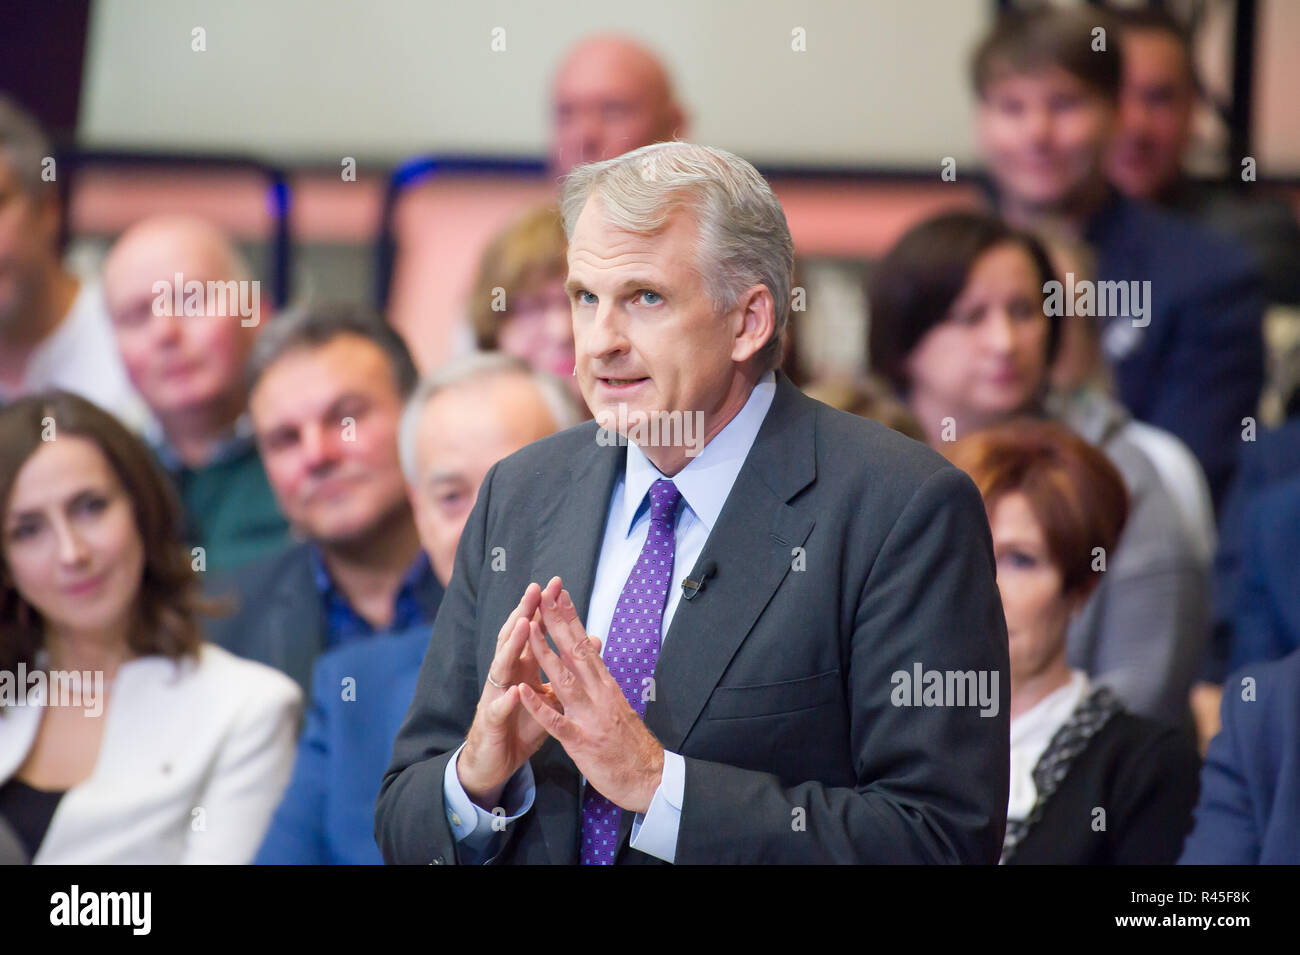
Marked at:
<point>663,501</point>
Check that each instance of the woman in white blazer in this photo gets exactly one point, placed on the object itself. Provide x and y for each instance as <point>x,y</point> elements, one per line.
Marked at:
<point>124,738</point>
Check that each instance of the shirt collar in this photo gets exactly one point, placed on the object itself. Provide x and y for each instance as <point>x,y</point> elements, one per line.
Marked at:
<point>416,574</point>
<point>238,441</point>
<point>707,479</point>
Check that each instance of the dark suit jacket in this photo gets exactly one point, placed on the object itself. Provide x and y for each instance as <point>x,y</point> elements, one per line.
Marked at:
<point>1266,615</point>
<point>845,552</point>
<point>278,618</point>
<point>327,815</point>
<point>1249,810</point>
<point>1198,368</point>
<point>1251,532</point>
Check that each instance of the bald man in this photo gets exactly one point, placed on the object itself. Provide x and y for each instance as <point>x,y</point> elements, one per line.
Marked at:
<point>610,95</point>
<point>185,311</point>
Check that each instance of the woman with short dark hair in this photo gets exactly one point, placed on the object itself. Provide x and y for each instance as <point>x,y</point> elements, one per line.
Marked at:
<point>124,738</point>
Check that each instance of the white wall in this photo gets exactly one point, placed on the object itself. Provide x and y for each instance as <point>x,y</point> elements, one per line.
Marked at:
<point>881,82</point>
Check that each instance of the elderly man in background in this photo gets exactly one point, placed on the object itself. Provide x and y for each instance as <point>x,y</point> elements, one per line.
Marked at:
<point>790,562</point>
<point>54,330</point>
<point>460,421</point>
<point>190,370</point>
<point>609,95</point>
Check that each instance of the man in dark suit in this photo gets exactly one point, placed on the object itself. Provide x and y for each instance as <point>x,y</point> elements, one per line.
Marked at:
<point>1181,309</point>
<point>769,583</point>
<point>1249,808</point>
<point>326,388</point>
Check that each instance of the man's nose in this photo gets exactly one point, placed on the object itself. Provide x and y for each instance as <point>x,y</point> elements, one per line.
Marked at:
<point>604,337</point>
<point>320,445</point>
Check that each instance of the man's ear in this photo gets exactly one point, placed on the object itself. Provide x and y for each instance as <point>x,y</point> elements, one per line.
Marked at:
<point>755,321</point>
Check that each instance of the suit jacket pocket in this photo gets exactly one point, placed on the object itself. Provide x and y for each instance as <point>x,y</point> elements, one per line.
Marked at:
<point>772,699</point>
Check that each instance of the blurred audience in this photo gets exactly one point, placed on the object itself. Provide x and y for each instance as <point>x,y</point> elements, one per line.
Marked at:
<point>54,329</point>
<point>95,586</point>
<point>1047,109</point>
<point>326,387</point>
<point>518,304</point>
<point>867,397</point>
<point>190,370</point>
<point>958,326</point>
<point>610,95</point>
<point>1157,102</point>
<point>1249,807</point>
<point>1091,784</point>
<point>459,423</point>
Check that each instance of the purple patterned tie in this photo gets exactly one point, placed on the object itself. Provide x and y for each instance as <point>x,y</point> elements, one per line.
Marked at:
<point>631,651</point>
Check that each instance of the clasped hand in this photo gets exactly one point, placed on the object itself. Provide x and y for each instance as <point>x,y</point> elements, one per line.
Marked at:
<point>581,706</point>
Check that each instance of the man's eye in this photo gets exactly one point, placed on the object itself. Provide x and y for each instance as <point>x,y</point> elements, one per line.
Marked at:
<point>586,298</point>
<point>650,298</point>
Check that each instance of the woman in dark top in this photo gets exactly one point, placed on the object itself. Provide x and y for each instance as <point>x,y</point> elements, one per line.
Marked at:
<point>1090,783</point>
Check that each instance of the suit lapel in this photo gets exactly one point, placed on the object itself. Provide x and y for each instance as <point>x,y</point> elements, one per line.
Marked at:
<point>295,621</point>
<point>571,529</point>
<point>751,545</point>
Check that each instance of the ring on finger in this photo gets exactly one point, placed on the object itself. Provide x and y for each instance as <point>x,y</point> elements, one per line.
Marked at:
<point>499,686</point>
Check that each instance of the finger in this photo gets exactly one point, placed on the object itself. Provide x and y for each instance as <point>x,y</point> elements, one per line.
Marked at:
<point>527,607</point>
<point>561,618</point>
<point>562,680</point>
<point>571,638</point>
<point>503,666</point>
<point>555,723</point>
<point>499,710</point>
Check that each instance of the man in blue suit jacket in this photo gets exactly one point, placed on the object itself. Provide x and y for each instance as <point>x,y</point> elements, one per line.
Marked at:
<point>360,693</point>
<point>1266,607</point>
<point>459,422</point>
<point>1249,809</point>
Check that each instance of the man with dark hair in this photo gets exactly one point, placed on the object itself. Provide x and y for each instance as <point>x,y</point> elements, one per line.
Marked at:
<point>1157,100</point>
<point>326,388</point>
<point>1184,340</point>
<point>54,330</point>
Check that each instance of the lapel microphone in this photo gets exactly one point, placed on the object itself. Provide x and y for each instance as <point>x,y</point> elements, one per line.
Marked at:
<point>692,586</point>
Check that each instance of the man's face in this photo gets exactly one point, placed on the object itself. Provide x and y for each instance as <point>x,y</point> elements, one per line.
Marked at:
<point>645,332</point>
<point>326,420</point>
<point>1155,115</point>
<point>177,362</point>
<point>1044,136</point>
<point>28,232</point>
<point>464,431</point>
<point>602,109</point>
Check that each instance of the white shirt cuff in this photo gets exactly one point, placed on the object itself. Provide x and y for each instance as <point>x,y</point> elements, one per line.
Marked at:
<point>473,827</point>
<point>655,833</point>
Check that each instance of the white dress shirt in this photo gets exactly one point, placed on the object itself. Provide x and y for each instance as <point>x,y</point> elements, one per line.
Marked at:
<point>1031,731</point>
<point>705,483</point>
<point>81,356</point>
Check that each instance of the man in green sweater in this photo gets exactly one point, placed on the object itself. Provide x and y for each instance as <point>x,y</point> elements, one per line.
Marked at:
<point>186,311</point>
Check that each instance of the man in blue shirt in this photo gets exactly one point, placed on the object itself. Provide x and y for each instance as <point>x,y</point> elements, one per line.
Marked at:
<point>326,387</point>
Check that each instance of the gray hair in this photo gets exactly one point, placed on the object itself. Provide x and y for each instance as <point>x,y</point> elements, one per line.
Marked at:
<point>743,236</point>
<point>478,367</point>
<point>312,326</point>
<point>25,147</point>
